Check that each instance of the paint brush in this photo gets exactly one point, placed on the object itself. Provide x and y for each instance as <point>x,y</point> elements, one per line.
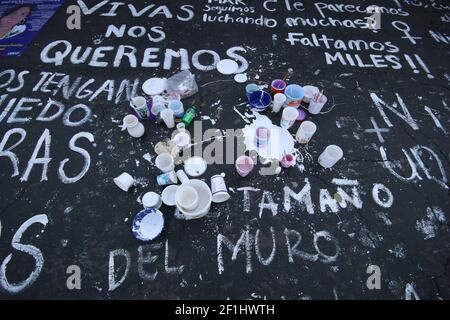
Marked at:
<point>288,73</point>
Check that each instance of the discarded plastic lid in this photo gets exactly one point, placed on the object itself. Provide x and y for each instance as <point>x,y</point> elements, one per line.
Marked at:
<point>148,224</point>
<point>154,86</point>
<point>240,78</point>
<point>195,166</point>
<point>227,66</point>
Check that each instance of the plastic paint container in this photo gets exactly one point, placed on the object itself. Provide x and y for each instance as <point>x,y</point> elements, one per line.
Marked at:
<point>278,101</point>
<point>260,100</point>
<point>167,178</point>
<point>294,95</point>
<point>288,160</point>
<point>177,107</point>
<point>219,189</point>
<point>151,200</point>
<point>278,86</point>
<point>250,88</point>
<point>262,136</point>
<point>288,117</point>
<point>330,156</point>
<point>244,165</point>
<point>305,132</point>
<point>301,115</point>
<point>310,92</point>
<point>315,106</point>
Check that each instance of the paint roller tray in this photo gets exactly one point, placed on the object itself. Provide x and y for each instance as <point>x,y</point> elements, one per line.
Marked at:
<point>148,224</point>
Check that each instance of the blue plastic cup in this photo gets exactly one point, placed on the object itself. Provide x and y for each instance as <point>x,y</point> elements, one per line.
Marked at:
<point>177,107</point>
<point>250,88</point>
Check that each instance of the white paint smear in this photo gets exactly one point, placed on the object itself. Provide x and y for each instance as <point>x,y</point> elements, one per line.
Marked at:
<point>280,143</point>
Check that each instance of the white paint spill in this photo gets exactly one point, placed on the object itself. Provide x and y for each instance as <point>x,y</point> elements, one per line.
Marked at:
<point>338,85</point>
<point>148,157</point>
<point>68,210</point>
<point>398,251</point>
<point>280,142</point>
<point>429,225</point>
<point>241,115</point>
<point>213,122</point>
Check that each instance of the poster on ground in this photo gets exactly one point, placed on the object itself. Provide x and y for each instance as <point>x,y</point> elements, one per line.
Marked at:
<point>21,22</point>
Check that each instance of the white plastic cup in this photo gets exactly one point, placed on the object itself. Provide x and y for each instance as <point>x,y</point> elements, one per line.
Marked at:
<point>278,101</point>
<point>187,198</point>
<point>177,107</point>
<point>139,102</point>
<point>310,92</point>
<point>151,200</point>
<point>219,189</point>
<point>168,117</point>
<point>165,162</point>
<point>124,181</point>
<point>288,117</point>
<point>315,106</point>
<point>330,156</point>
<point>305,132</point>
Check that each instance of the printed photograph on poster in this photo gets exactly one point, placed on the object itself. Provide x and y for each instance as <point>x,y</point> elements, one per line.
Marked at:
<point>21,21</point>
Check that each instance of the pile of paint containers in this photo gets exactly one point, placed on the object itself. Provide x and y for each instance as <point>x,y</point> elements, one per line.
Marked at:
<point>161,101</point>
<point>295,102</point>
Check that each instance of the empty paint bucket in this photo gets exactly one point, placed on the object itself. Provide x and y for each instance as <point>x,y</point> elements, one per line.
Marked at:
<point>187,198</point>
<point>310,92</point>
<point>316,104</point>
<point>305,132</point>
<point>244,165</point>
<point>288,117</point>
<point>330,156</point>
<point>142,107</point>
<point>260,100</point>
<point>219,189</point>
<point>278,86</point>
<point>278,101</point>
<point>294,95</point>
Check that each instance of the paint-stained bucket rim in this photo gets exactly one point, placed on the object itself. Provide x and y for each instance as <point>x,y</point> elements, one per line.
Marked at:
<point>159,223</point>
<point>260,96</point>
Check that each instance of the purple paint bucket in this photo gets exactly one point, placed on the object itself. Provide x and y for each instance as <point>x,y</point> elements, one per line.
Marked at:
<point>278,86</point>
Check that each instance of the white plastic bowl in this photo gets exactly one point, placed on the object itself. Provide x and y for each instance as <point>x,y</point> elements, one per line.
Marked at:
<point>204,201</point>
